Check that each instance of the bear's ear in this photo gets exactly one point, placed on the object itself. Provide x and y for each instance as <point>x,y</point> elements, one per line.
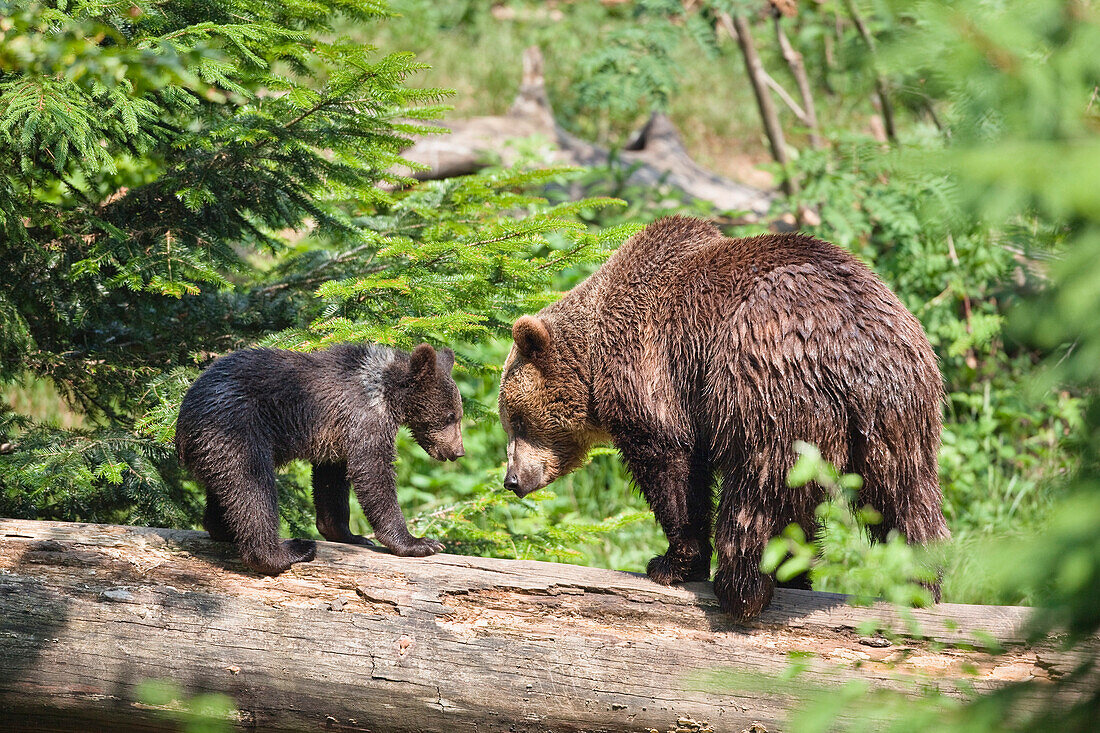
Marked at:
<point>531,336</point>
<point>446,359</point>
<point>422,362</point>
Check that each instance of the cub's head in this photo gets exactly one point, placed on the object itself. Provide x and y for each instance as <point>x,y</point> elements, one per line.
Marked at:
<point>543,408</point>
<point>433,407</point>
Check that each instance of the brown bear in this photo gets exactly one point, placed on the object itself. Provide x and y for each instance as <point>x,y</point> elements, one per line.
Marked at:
<point>256,409</point>
<point>698,355</point>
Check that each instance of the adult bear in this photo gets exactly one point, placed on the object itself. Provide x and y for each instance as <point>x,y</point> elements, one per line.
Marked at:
<point>696,355</point>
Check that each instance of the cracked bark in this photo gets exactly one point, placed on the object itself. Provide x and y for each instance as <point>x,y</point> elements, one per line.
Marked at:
<point>360,640</point>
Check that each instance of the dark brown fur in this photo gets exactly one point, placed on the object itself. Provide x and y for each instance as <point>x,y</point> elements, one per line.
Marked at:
<point>254,410</point>
<point>698,355</point>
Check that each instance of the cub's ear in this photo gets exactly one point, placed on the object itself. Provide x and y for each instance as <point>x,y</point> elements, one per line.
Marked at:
<point>531,336</point>
<point>422,362</point>
<point>446,359</point>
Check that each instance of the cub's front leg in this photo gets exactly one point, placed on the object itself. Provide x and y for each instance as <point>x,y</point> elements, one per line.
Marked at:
<point>330,498</point>
<point>370,469</point>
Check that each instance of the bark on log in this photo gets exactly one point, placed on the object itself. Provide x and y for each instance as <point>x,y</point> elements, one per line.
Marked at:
<point>359,640</point>
<point>655,155</point>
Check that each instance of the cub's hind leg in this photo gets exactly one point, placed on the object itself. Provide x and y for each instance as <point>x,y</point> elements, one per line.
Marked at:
<point>244,487</point>
<point>213,519</point>
<point>331,491</point>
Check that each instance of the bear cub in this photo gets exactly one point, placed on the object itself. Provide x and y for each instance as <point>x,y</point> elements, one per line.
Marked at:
<point>254,410</point>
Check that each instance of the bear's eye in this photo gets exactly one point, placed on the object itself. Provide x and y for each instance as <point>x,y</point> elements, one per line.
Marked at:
<point>517,424</point>
<point>451,418</point>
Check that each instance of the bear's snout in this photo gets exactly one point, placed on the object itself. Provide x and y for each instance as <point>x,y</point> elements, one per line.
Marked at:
<point>521,478</point>
<point>446,444</point>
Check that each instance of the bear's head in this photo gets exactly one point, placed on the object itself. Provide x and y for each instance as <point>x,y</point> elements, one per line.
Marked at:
<point>544,401</point>
<point>433,407</point>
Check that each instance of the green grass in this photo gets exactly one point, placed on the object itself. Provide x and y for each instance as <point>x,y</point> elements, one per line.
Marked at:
<point>41,401</point>
<point>480,57</point>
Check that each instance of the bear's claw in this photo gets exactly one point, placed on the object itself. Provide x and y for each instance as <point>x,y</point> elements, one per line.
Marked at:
<point>667,570</point>
<point>418,547</point>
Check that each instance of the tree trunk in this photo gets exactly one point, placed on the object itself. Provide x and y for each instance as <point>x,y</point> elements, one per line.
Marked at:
<point>360,640</point>
<point>738,27</point>
<point>798,71</point>
<point>881,90</point>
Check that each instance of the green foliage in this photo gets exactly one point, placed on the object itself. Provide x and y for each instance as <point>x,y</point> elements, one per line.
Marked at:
<point>840,557</point>
<point>205,713</point>
<point>103,475</point>
<point>441,261</point>
<point>632,69</point>
<point>528,532</point>
<point>227,192</point>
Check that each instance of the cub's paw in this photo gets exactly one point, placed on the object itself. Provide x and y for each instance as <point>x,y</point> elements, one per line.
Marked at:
<point>278,558</point>
<point>300,550</point>
<point>668,569</point>
<point>417,547</point>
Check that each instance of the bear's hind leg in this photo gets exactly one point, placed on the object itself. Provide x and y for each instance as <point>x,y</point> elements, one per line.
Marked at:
<point>903,486</point>
<point>331,491</point>
<point>678,491</point>
<point>249,499</point>
<point>213,520</point>
<point>743,590</point>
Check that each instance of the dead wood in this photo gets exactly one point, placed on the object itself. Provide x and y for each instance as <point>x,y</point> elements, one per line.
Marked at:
<point>360,640</point>
<point>655,155</point>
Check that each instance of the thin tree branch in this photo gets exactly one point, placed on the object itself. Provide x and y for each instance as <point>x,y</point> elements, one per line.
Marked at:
<point>738,27</point>
<point>798,70</point>
<point>880,81</point>
<point>786,98</point>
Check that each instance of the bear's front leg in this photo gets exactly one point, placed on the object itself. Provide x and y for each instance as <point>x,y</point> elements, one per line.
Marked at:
<point>372,476</point>
<point>678,490</point>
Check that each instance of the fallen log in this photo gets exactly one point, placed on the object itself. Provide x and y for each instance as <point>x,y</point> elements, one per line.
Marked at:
<point>360,640</point>
<point>654,156</point>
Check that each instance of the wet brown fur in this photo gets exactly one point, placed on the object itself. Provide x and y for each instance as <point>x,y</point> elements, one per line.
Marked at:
<point>703,356</point>
<point>340,408</point>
